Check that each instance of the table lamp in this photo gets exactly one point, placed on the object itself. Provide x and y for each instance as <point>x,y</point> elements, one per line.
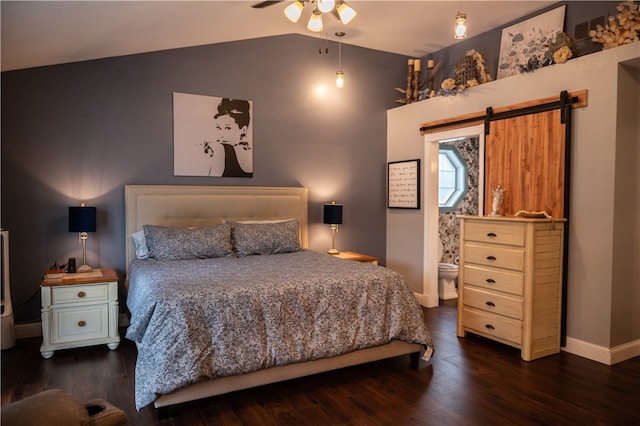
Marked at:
<point>333,217</point>
<point>83,220</point>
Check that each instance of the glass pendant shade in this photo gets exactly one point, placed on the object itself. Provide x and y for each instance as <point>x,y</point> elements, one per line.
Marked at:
<point>326,6</point>
<point>315,22</point>
<point>461,27</point>
<point>339,79</point>
<point>294,11</point>
<point>346,13</point>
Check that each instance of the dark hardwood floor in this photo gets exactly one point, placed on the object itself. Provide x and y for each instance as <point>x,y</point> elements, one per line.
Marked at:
<point>470,381</point>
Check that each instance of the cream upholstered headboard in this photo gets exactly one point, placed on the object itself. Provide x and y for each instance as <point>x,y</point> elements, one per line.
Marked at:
<point>182,205</point>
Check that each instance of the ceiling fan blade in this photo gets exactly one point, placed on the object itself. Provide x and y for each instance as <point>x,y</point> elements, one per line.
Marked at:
<point>265,4</point>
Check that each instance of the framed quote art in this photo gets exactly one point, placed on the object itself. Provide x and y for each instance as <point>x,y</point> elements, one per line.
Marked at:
<point>403,180</point>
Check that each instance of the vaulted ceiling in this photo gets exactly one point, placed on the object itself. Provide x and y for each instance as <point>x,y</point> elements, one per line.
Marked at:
<point>37,33</point>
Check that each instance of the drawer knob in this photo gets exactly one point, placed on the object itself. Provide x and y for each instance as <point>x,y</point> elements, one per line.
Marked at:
<point>82,323</point>
<point>81,294</point>
<point>491,235</point>
<point>490,304</point>
<point>489,327</point>
<point>491,281</point>
<point>491,258</point>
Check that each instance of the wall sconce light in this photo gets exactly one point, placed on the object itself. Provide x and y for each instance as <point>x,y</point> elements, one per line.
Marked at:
<point>461,26</point>
<point>333,217</point>
<point>340,74</point>
<point>82,219</point>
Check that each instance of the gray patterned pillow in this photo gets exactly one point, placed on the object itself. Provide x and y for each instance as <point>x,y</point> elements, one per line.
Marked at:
<point>170,243</point>
<point>265,238</point>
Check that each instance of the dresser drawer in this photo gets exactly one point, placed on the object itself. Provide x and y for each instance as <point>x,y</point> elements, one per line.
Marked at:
<point>80,293</point>
<point>493,326</point>
<point>493,232</point>
<point>494,255</point>
<point>495,303</point>
<point>494,279</point>
<point>80,323</point>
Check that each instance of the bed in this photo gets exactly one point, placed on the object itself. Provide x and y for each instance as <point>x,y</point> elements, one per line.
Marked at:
<point>250,305</point>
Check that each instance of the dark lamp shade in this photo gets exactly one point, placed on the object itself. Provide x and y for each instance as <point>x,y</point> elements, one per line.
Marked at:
<point>333,214</point>
<point>82,219</point>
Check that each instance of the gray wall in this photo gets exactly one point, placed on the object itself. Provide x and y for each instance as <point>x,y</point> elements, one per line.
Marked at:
<point>80,132</point>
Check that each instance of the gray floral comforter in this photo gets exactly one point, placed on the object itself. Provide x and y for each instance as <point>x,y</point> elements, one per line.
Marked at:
<point>207,318</point>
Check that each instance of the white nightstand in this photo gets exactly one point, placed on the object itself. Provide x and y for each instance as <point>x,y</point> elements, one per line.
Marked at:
<point>80,310</point>
<point>358,257</point>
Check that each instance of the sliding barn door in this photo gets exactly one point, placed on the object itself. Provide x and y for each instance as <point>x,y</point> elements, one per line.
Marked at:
<point>526,156</point>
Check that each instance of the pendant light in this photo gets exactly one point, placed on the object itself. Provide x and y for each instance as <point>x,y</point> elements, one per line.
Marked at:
<point>339,73</point>
<point>461,26</point>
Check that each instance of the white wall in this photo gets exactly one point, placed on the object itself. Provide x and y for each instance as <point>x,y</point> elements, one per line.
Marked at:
<point>593,208</point>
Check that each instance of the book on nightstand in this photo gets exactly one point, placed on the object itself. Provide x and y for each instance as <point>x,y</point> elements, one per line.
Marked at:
<point>52,274</point>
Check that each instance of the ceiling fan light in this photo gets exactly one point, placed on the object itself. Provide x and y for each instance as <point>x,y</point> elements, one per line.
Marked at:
<point>294,11</point>
<point>315,22</point>
<point>326,6</point>
<point>346,13</point>
<point>461,27</point>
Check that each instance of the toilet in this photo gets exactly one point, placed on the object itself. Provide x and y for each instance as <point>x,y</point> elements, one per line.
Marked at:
<point>447,274</point>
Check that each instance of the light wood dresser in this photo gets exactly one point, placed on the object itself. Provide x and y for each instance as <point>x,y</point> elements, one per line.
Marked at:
<point>510,281</point>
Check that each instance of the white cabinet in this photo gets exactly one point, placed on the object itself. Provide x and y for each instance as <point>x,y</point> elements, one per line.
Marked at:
<point>510,282</point>
<point>80,310</point>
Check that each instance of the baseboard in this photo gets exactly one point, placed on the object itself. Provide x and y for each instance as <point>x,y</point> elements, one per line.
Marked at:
<point>34,329</point>
<point>425,301</point>
<point>602,354</point>
<point>28,330</point>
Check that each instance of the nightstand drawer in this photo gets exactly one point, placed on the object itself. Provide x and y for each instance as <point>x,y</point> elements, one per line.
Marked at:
<point>494,279</point>
<point>80,323</point>
<point>494,255</point>
<point>493,326</point>
<point>80,293</point>
<point>495,233</point>
<point>494,303</point>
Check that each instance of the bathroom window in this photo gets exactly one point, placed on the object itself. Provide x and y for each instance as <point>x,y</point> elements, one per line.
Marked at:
<point>452,178</point>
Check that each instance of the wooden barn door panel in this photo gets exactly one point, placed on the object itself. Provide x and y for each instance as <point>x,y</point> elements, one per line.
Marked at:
<point>526,156</point>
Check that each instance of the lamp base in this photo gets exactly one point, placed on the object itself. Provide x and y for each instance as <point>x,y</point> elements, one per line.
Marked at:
<point>333,251</point>
<point>84,268</point>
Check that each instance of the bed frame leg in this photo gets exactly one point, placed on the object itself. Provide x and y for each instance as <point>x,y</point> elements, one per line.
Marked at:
<point>414,357</point>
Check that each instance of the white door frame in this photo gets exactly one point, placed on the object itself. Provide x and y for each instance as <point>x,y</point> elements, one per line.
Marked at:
<point>431,213</point>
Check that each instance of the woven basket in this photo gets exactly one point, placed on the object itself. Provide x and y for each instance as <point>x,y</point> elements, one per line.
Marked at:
<point>466,70</point>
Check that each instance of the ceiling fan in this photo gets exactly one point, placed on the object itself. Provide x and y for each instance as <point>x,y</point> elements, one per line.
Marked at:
<point>265,4</point>
<point>337,8</point>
